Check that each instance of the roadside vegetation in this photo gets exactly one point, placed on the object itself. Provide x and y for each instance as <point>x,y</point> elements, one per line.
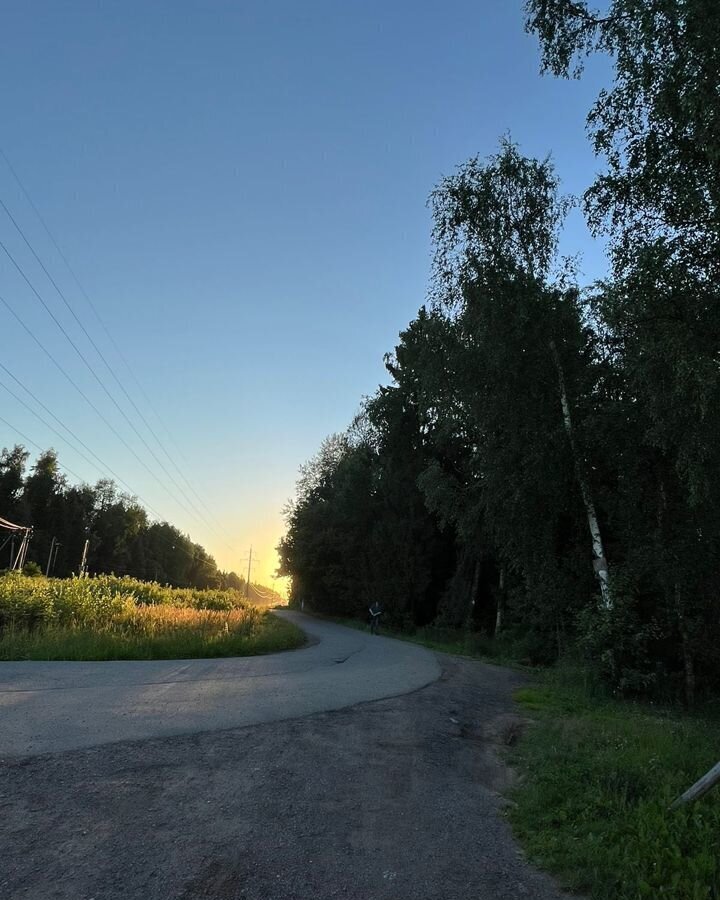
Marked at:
<point>108,617</point>
<point>510,649</point>
<point>597,775</point>
<point>598,778</point>
<point>544,461</point>
<point>540,476</point>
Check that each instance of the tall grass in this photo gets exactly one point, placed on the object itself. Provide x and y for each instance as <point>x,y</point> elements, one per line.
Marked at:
<point>122,618</point>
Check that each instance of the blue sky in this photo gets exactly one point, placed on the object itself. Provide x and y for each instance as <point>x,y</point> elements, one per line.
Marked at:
<point>241,188</point>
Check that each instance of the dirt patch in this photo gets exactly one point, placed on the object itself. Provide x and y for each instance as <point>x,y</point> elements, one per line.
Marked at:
<point>397,799</point>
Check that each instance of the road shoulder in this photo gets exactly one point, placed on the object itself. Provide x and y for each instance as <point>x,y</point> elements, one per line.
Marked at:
<point>398,798</point>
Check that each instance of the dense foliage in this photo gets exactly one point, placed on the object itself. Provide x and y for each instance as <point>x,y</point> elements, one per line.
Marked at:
<point>545,461</point>
<point>122,539</point>
<point>108,617</point>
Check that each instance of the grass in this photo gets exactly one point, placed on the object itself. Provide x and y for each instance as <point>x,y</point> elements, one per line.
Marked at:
<point>120,618</point>
<point>598,777</point>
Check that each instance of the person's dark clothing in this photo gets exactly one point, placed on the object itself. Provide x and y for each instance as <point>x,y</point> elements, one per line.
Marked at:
<point>375,612</point>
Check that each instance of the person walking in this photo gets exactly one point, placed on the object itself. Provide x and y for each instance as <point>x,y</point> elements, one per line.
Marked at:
<point>375,611</point>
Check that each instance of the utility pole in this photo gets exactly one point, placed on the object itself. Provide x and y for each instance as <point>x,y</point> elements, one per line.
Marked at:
<point>83,561</point>
<point>247,583</point>
<point>58,545</point>
<point>50,556</point>
<point>16,563</point>
<point>19,561</point>
<point>28,535</point>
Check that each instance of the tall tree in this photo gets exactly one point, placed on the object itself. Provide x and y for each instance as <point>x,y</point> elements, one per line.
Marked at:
<point>12,478</point>
<point>496,233</point>
<point>658,128</point>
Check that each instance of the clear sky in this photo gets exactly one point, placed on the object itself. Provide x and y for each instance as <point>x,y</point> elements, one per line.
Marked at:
<point>240,186</point>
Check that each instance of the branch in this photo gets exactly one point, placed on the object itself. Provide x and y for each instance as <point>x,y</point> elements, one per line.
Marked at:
<point>706,783</point>
<point>582,12</point>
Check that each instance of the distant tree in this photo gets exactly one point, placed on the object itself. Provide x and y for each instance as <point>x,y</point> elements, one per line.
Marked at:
<point>42,495</point>
<point>231,581</point>
<point>12,479</point>
<point>121,539</point>
<point>75,517</point>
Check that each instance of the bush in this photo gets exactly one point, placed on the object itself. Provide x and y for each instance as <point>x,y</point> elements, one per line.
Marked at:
<point>617,642</point>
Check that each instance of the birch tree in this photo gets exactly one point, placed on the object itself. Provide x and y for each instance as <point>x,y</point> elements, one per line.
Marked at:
<point>656,129</point>
<point>495,235</point>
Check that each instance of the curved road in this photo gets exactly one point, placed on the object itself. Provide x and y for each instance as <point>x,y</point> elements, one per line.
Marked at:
<point>52,706</point>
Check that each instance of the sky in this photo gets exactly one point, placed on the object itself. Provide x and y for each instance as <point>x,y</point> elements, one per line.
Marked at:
<point>240,189</point>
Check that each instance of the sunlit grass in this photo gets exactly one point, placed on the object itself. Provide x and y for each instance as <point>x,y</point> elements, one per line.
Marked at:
<point>115,618</point>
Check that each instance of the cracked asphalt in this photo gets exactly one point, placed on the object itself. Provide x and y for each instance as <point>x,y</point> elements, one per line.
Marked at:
<point>50,706</point>
<point>398,798</point>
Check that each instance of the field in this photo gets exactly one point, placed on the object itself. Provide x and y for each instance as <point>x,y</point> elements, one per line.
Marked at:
<point>120,618</point>
<point>598,777</point>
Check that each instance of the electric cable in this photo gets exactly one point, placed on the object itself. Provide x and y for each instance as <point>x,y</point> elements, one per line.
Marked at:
<point>88,400</point>
<point>102,324</point>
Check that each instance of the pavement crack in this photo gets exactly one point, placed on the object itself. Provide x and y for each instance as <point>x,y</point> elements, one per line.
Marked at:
<point>339,660</point>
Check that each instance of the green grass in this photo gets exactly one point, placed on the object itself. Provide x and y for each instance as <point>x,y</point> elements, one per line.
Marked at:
<point>119,618</point>
<point>598,777</point>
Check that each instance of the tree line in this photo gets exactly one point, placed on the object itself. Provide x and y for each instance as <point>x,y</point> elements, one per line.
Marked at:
<point>544,463</point>
<point>122,540</point>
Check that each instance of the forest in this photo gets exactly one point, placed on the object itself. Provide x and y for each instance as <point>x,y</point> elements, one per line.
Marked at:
<point>543,463</point>
<point>122,540</point>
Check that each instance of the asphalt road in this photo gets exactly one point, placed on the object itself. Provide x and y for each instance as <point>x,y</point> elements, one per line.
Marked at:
<point>47,707</point>
<point>238,786</point>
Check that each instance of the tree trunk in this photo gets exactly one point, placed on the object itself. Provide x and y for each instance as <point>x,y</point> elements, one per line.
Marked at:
<point>473,593</point>
<point>708,781</point>
<point>600,564</point>
<point>687,651</point>
<point>500,614</point>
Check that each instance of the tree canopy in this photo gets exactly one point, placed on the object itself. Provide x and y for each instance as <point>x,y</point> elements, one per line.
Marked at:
<point>122,538</point>
<point>544,461</point>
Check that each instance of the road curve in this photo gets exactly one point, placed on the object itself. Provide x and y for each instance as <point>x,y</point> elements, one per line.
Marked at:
<point>54,706</point>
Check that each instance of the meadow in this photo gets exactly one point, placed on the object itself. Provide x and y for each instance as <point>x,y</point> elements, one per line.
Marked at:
<point>109,617</point>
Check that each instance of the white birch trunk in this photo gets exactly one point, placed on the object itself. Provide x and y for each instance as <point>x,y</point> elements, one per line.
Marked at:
<point>600,564</point>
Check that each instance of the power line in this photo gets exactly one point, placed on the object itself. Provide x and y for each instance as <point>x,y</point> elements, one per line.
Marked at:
<point>81,355</point>
<point>103,468</point>
<point>11,526</point>
<point>102,325</point>
<point>88,400</point>
<point>102,357</point>
<point>81,480</point>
